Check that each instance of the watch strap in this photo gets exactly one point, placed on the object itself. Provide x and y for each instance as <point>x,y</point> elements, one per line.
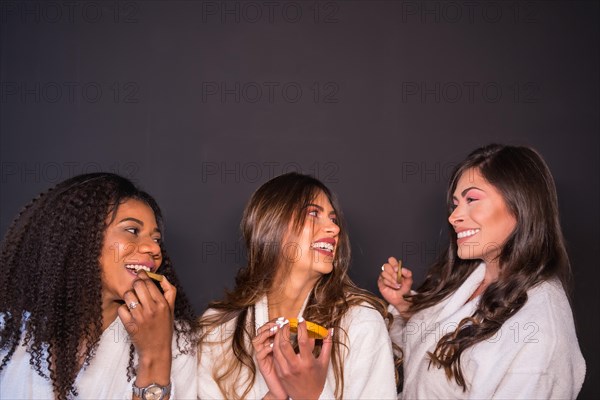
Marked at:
<point>140,391</point>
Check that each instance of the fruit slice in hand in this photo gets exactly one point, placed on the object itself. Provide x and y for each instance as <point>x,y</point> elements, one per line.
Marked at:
<point>156,277</point>
<point>399,276</point>
<point>315,331</point>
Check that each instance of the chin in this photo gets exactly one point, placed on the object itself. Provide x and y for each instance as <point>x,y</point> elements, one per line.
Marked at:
<point>468,253</point>
<point>326,269</point>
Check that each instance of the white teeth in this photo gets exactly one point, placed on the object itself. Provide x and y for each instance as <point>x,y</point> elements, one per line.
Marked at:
<point>322,246</point>
<point>136,267</point>
<point>465,234</point>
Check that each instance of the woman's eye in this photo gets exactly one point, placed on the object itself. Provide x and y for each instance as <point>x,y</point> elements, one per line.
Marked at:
<point>313,213</point>
<point>158,240</point>
<point>132,230</point>
<point>470,199</point>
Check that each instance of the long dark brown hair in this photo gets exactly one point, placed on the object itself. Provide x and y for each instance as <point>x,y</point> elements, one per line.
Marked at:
<point>265,222</point>
<point>50,277</point>
<point>534,252</point>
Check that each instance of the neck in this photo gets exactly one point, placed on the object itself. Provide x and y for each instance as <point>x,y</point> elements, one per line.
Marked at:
<point>491,275</point>
<point>492,269</point>
<point>109,312</point>
<point>286,299</point>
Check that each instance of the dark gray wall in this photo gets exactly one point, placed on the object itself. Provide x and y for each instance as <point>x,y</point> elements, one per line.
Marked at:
<point>202,101</point>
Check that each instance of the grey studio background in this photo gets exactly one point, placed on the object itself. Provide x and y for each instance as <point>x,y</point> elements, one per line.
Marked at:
<point>200,102</point>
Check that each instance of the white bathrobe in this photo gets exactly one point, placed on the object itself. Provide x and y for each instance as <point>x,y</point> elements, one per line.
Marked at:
<point>535,355</point>
<point>368,367</point>
<point>104,378</point>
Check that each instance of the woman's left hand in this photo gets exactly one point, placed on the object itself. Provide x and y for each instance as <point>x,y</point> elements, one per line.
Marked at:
<point>302,375</point>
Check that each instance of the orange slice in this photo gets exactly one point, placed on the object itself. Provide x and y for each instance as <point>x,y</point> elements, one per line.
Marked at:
<point>315,331</point>
<point>156,277</point>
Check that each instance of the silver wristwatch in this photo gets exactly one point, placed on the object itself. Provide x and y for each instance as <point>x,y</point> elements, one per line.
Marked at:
<point>152,392</point>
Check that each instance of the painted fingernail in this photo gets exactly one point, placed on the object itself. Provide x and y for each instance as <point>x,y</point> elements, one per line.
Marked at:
<point>273,329</point>
<point>282,322</point>
<point>280,319</point>
<point>331,332</point>
<point>301,319</point>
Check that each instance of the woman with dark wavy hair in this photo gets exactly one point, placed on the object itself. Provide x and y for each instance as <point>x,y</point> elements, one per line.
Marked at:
<point>298,258</point>
<point>79,316</point>
<point>492,318</point>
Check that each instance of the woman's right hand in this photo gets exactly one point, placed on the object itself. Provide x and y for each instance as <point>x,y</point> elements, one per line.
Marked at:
<point>148,317</point>
<point>392,291</point>
<point>263,349</point>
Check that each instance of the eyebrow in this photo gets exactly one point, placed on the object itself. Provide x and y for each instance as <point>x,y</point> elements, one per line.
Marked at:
<point>137,221</point>
<point>132,219</point>
<point>320,208</point>
<point>462,194</point>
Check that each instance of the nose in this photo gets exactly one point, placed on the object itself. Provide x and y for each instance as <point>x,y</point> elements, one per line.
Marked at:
<point>331,228</point>
<point>150,246</point>
<point>456,216</point>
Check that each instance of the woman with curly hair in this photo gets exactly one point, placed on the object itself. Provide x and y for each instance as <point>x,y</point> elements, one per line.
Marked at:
<point>492,318</point>
<point>79,316</point>
<point>298,258</point>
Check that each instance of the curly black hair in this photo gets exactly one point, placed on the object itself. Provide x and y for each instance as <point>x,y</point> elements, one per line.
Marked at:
<point>50,277</point>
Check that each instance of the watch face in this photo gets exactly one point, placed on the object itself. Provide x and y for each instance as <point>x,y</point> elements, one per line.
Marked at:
<point>153,392</point>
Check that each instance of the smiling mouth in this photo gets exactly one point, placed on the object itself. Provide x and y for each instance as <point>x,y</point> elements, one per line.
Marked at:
<point>323,246</point>
<point>467,233</point>
<point>137,268</point>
